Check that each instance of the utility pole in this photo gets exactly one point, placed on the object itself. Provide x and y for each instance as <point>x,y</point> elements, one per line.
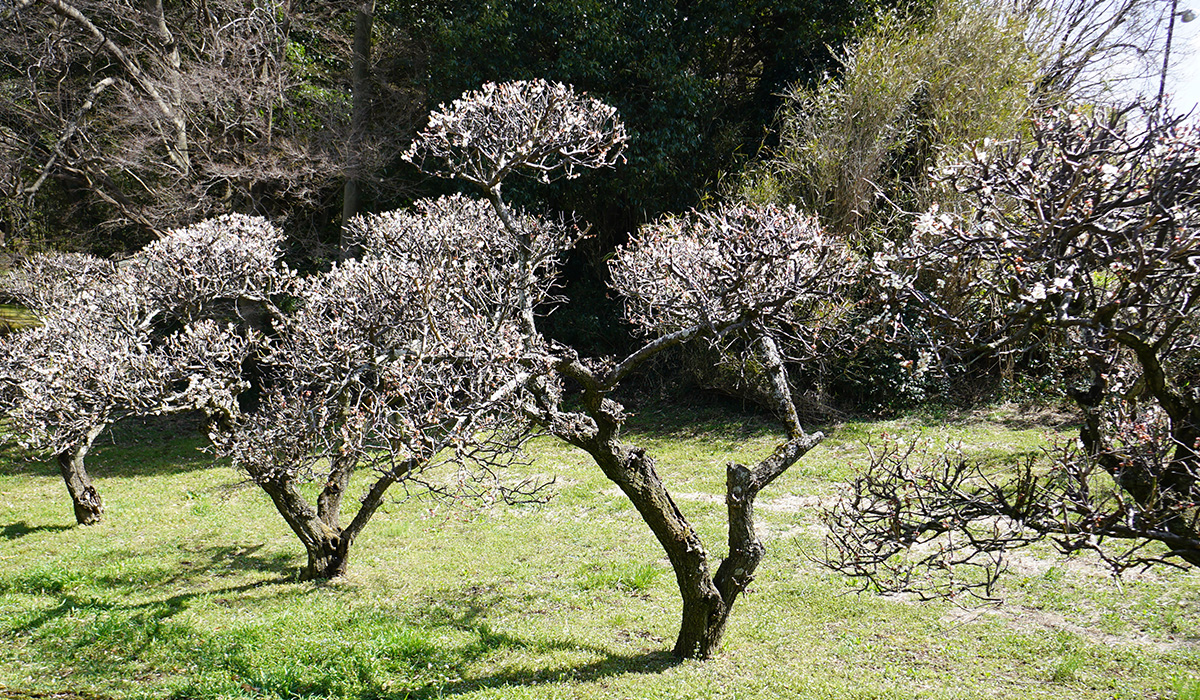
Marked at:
<point>1186,16</point>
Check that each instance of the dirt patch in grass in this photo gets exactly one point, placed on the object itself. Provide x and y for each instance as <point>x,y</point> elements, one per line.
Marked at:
<point>1029,619</point>
<point>1029,416</point>
<point>1080,567</point>
<point>783,504</point>
<point>794,504</point>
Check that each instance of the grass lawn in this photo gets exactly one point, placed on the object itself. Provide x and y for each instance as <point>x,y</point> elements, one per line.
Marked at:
<point>188,589</point>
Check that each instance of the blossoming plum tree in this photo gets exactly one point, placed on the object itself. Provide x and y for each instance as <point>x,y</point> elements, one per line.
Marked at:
<point>133,340</point>
<point>407,359</point>
<point>1088,237</point>
<point>736,270</point>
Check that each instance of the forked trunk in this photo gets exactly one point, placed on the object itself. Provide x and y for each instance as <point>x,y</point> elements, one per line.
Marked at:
<point>326,543</point>
<point>706,607</point>
<point>707,599</point>
<point>84,496</point>
<point>327,558</point>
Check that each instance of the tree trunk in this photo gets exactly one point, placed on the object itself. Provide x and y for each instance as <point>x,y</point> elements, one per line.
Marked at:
<point>1150,485</point>
<point>84,496</point>
<point>703,625</point>
<point>326,544</point>
<point>360,113</point>
<point>174,80</point>
<point>327,558</point>
<point>707,600</point>
<point>329,503</point>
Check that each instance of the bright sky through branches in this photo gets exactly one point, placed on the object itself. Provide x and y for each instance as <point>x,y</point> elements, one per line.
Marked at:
<point>1184,80</point>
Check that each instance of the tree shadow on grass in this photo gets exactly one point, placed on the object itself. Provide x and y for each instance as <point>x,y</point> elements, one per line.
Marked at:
<point>706,417</point>
<point>610,665</point>
<point>18,694</point>
<point>134,447</point>
<point>208,564</point>
<point>466,610</point>
<point>16,460</point>
<point>96,637</point>
<point>123,622</point>
<point>18,530</point>
<point>101,627</point>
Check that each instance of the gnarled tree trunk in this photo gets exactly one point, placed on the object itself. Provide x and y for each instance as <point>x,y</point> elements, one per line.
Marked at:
<point>84,496</point>
<point>1150,484</point>
<point>707,599</point>
<point>326,543</point>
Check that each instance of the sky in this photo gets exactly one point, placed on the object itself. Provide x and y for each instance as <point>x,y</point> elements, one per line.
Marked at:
<point>1183,81</point>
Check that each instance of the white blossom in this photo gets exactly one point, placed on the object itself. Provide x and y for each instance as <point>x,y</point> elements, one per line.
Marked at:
<point>545,129</point>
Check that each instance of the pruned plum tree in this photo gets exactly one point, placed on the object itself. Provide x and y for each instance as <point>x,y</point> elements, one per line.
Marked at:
<point>94,361</point>
<point>407,359</point>
<point>154,335</point>
<point>737,270</point>
<point>1086,237</point>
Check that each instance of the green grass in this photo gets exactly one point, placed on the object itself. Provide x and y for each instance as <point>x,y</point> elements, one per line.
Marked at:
<point>15,318</point>
<point>188,589</point>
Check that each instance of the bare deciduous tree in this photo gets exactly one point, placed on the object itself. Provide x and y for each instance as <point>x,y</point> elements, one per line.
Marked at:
<point>1093,50</point>
<point>133,118</point>
<point>94,362</point>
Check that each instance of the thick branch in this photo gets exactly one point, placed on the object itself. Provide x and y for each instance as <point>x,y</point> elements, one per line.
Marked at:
<point>72,128</point>
<point>525,279</point>
<point>741,488</point>
<point>374,498</point>
<point>329,503</point>
<point>178,156</point>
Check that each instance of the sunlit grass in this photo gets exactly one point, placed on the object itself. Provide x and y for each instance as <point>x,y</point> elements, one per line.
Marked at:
<point>189,589</point>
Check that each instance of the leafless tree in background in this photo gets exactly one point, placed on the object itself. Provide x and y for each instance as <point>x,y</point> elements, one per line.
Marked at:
<point>1095,50</point>
<point>131,116</point>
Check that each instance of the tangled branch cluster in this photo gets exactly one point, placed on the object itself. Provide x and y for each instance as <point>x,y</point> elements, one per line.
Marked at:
<point>531,125</point>
<point>42,283</point>
<point>932,522</point>
<point>228,258</point>
<point>473,241</point>
<point>1085,239</point>
<point>1090,226</point>
<point>710,268</point>
<point>387,359</point>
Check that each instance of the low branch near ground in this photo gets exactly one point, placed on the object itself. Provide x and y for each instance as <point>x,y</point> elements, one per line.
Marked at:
<point>935,523</point>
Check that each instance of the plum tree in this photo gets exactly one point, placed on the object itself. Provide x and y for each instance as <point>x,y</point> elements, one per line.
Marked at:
<point>150,336</point>
<point>737,270</point>
<point>1086,239</point>
<point>407,359</point>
